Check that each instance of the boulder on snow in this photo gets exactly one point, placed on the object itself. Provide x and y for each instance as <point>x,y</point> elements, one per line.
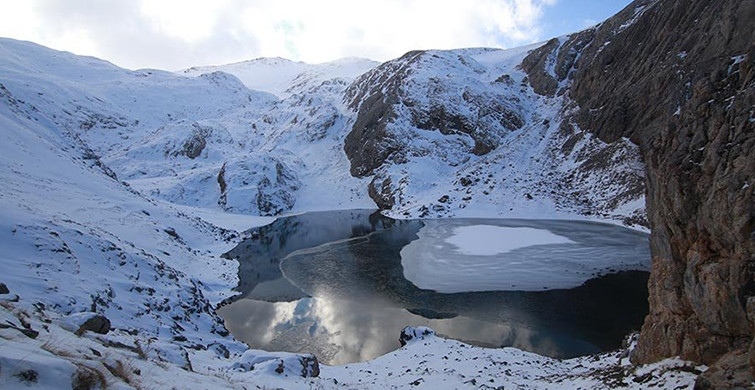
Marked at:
<point>414,333</point>
<point>281,363</point>
<point>86,321</point>
<point>4,289</point>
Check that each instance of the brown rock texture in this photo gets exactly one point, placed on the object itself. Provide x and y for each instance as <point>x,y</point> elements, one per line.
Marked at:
<point>677,77</point>
<point>386,93</point>
<point>368,145</point>
<point>728,372</point>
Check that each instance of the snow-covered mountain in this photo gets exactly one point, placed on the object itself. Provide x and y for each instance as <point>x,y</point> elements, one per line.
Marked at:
<point>282,77</point>
<point>204,141</point>
<point>119,186</point>
<point>461,132</point>
<point>436,133</point>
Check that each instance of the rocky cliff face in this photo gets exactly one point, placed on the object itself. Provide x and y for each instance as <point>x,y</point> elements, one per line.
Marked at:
<point>461,132</point>
<point>677,78</point>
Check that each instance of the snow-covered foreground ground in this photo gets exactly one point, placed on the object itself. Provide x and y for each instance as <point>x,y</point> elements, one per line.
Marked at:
<point>59,359</point>
<point>77,240</point>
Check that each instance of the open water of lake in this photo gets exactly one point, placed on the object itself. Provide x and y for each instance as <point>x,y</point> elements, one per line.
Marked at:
<point>333,284</point>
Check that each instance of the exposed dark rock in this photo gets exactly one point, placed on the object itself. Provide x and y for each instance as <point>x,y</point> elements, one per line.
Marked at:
<point>438,118</point>
<point>536,66</point>
<point>274,197</point>
<point>28,376</point>
<point>96,323</point>
<point>505,79</point>
<point>220,350</point>
<point>4,289</point>
<point>25,329</point>
<point>413,333</point>
<point>553,62</point>
<point>310,367</point>
<point>223,199</point>
<point>677,78</point>
<point>373,96</point>
<point>381,192</point>
<point>388,93</point>
<point>261,183</point>
<point>172,232</point>
<point>193,146</point>
<point>731,371</point>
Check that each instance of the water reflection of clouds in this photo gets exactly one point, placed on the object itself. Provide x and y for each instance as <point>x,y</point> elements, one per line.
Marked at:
<point>342,331</point>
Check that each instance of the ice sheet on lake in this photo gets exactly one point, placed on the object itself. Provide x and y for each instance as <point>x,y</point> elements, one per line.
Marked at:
<point>487,240</point>
<point>454,256</point>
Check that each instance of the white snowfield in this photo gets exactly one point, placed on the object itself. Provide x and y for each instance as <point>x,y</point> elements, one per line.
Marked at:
<point>489,240</point>
<point>503,255</point>
<point>120,191</point>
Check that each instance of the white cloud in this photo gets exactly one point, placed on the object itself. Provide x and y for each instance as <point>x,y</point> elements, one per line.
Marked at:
<point>173,34</point>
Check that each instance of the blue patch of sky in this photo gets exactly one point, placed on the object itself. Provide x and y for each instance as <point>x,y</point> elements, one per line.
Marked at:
<point>568,16</point>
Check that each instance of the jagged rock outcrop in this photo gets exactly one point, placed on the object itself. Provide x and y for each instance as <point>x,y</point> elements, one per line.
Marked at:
<point>374,95</point>
<point>414,88</point>
<point>678,79</point>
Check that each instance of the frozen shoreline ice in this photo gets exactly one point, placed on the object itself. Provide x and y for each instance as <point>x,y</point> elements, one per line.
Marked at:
<point>518,255</point>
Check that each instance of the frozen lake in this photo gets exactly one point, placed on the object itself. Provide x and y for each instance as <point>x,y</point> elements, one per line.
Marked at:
<point>343,284</point>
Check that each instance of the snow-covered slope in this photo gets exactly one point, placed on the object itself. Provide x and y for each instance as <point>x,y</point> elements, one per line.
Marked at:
<point>75,239</point>
<point>204,141</point>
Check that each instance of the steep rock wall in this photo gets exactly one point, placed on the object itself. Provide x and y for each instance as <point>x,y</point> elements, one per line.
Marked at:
<point>677,78</point>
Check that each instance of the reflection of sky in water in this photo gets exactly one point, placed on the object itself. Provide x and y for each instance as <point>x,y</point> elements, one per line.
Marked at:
<point>342,331</point>
<point>348,300</point>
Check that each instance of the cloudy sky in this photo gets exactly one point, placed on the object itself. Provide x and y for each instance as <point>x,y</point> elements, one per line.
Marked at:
<point>176,34</point>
